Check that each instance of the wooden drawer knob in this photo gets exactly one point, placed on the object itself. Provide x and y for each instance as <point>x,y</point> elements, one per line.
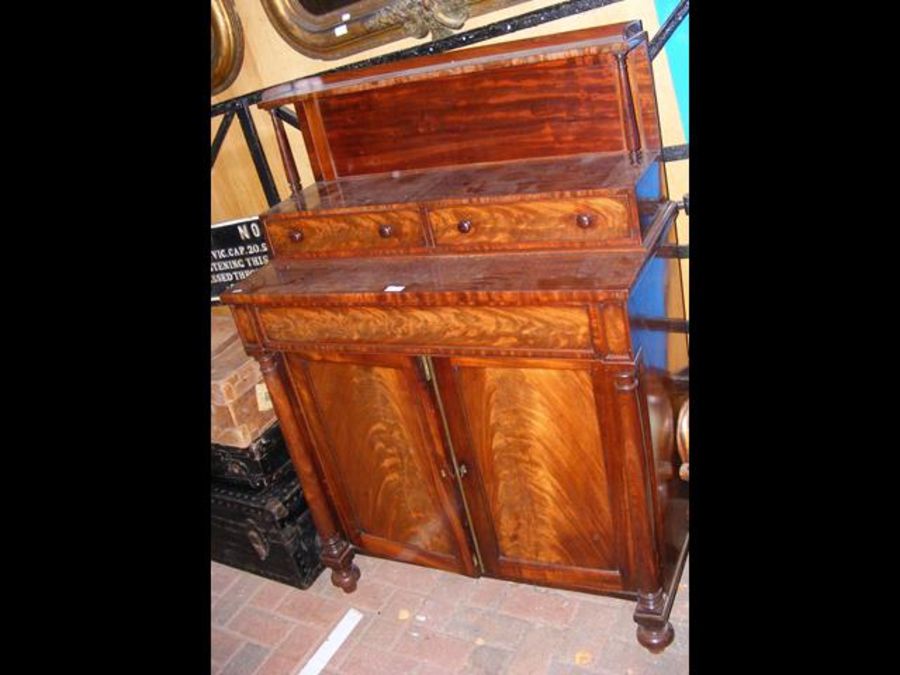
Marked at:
<point>464,226</point>
<point>385,231</point>
<point>296,235</point>
<point>584,221</point>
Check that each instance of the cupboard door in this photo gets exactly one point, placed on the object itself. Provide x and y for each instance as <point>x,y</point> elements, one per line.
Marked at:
<point>378,440</point>
<point>535,470</point>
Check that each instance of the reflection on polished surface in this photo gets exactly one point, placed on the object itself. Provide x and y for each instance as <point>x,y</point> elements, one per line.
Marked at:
<point>682,440</point>
<point>658,330</point>
<point>580,172</point>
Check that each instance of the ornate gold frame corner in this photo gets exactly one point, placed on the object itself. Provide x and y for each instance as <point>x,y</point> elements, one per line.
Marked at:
<point>227,45</point>
<point>366,24</point>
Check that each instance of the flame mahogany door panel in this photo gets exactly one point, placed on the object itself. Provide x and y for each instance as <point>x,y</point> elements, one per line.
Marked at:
<point>536,468</point>
<point>379,443</point>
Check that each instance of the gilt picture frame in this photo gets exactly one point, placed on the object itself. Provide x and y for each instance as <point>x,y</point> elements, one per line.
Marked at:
<point>333,29</point>
<point>227,45</point>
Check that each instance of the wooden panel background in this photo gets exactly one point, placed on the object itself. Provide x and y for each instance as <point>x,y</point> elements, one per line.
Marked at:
<point>563,328</point>
<point>535,110</point>
<point>381,455</point>
<point>537,446</point>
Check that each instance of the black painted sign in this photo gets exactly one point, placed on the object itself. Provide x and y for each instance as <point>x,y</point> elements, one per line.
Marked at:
<point>237,249</point>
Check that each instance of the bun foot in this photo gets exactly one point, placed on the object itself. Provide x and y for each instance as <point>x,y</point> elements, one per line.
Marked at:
<point>652,617</point>
<point>656,638</point>
<point>338,555</point>
<point>346,579</point>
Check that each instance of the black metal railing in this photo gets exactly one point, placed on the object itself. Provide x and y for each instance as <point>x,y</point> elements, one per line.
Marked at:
<point>668,28</point>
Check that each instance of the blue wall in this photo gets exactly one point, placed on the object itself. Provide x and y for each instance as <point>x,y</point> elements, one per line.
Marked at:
<point>677,52</point>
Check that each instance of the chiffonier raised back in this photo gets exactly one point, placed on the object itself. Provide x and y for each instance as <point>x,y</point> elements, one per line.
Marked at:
<point>457,326</point>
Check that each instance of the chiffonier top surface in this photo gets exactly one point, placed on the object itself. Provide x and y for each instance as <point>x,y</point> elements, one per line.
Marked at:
<point>596,173</point>
<point>505,278</point>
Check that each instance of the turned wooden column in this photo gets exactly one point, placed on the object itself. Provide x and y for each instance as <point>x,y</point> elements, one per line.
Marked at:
<point>336,552</point>
<point>652,612</point>
<point>287,156</point>
<point>628,110</point>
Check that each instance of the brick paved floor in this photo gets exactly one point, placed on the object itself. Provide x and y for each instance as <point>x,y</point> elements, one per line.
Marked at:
<point>425,622</point>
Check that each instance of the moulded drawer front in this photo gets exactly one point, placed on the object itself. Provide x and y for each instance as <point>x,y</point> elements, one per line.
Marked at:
<point>376,230</point>
<point>588,220</point>
<point>547,328</point>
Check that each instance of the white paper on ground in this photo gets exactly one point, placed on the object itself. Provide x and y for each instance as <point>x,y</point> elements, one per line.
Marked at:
<point>332,643</point>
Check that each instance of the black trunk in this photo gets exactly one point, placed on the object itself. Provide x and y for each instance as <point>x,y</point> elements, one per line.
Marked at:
<point>258,466</point>
<point>269,532</point>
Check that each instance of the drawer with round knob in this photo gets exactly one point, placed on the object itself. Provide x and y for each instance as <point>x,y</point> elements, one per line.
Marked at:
<point>356,232</point>
<point>591,220</point>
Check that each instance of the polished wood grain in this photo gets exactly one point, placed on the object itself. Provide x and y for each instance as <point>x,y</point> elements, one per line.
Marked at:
<point>526,99</point>
<point>540,221</point>
<point>243,320</point>
<point>347,232</point>
<point>336,553</point>
<point>640,71</point>
<point>614,330</point>
<point>592,174</point>
<point>316,138</point>
<point>622,396</point>
<point>516,420</point>
<point>556,328</point>
<point>547,109</point>
<point>625,99</point>
<point>379,458</point>
<point>435,280</point>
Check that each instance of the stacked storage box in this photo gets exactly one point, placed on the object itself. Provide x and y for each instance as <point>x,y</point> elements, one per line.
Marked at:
<point>260,520</point>
<point>241,409</point>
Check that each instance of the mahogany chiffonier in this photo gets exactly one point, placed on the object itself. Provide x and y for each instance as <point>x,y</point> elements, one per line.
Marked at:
<point>463,325</point>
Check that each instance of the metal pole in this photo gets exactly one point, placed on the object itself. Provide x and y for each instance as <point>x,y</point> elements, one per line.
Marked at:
<point>259,155</point>
<point>220,135</point>
<point>665,31</point>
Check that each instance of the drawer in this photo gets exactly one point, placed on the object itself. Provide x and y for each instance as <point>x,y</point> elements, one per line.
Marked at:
<point>588,220</point>
<point>375,230</point>
<point>546,328</point>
